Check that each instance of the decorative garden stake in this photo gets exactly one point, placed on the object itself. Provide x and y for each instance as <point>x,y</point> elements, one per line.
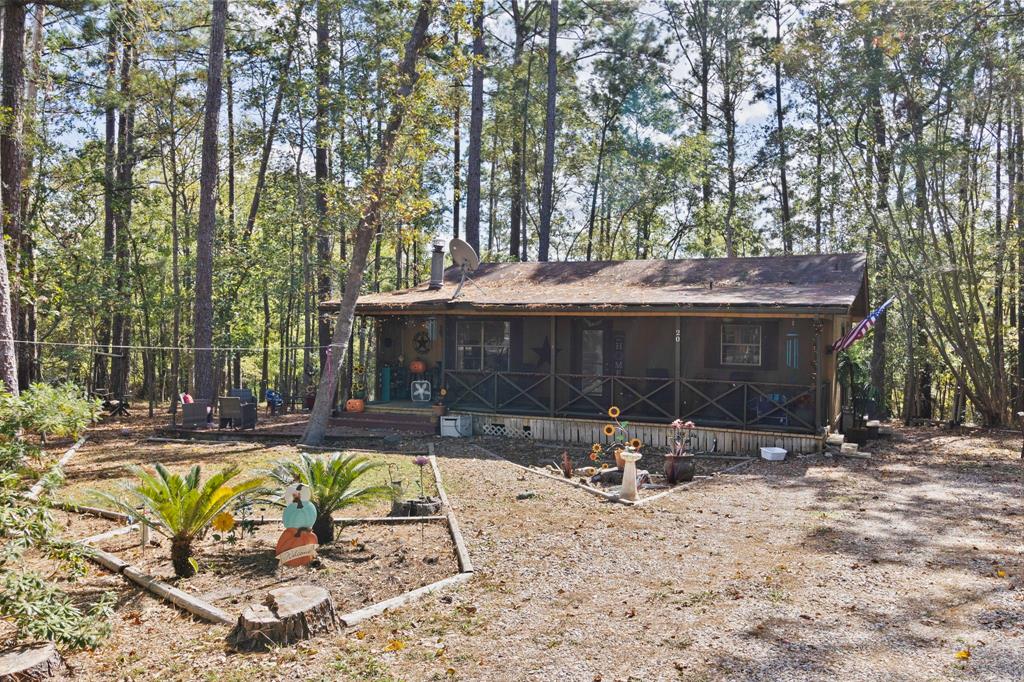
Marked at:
<point>631,457</point>
<point>297,544</point>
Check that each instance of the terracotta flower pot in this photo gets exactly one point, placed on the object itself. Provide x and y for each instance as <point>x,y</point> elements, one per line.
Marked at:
<point>619,461</point>
<point>679,468</point>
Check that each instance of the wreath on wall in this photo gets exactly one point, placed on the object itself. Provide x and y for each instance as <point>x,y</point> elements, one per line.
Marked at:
<point>421,341</point>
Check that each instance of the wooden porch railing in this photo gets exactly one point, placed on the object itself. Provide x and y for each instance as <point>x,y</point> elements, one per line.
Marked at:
<point>737,404</point>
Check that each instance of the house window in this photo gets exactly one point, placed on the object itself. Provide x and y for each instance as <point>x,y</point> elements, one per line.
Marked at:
<point>741,344</point>
<point>482,346</point>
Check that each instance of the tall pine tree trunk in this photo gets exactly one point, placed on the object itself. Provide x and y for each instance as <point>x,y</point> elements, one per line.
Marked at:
<point>206,231</point>
<point>547,185</point>
<point>476,131</point>
<point>12,84</point>
<point>322,134</point>
<point>369,224</point>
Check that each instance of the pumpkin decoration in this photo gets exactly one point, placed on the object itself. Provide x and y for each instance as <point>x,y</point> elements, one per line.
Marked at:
<point>296,547</point>
<point>355,405</point>
<point>417,367</point>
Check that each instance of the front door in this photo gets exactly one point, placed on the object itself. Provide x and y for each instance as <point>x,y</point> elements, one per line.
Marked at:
<point>592,360</point>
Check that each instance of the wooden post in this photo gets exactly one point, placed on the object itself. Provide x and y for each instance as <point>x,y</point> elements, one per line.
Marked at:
<point>551,366</point>
<point>678,364</point>
<point>816,374</point>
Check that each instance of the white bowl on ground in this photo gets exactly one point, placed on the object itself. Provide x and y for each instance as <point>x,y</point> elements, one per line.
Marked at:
<point>773,454</point>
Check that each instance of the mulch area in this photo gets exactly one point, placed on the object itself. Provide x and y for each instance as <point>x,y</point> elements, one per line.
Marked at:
<point>812,569</point>
<point>367,563</point>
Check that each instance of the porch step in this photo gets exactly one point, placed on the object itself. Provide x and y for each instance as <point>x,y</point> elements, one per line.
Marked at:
<point>379,419</point>
<point>835,439</point>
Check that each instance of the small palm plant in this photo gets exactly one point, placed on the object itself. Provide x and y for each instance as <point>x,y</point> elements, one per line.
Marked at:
<point>178,507</point>
<point>332,480</point>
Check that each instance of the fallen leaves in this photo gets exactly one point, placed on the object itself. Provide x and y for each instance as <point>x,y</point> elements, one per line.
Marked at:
<point>962,655</point>
<point>394,645</point>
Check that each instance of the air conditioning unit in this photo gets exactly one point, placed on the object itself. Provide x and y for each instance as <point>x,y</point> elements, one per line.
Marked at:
<point>457,426</point>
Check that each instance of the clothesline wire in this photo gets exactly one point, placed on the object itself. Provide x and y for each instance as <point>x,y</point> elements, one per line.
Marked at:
<point>187,349</point>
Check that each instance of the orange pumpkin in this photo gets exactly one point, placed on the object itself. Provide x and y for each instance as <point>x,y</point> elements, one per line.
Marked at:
<point>355,405</point>
<point>296,548</point>
<point>417,367</point>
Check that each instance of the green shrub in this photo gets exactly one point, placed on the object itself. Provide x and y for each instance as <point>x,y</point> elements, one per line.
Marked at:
<point>37,609</point>
<point>332,482</point>
<point>61,411</point>
<point>178,507</point>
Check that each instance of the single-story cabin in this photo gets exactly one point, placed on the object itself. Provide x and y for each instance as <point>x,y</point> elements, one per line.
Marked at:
<point>542,350</point>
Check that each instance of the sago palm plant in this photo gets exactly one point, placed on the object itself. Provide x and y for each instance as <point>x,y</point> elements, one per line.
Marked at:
<point>180,507</point>
<point>333,483</point>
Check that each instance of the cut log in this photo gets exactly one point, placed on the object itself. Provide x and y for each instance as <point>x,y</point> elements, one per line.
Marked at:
<point>287,615</point>
<point>31,662</point>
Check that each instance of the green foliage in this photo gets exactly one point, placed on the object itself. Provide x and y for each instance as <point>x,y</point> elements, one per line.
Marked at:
<point>62,411</point>
<point>180,507</point>
<point>332,479</point>
<point>40,610</point>
<point>37,609</point>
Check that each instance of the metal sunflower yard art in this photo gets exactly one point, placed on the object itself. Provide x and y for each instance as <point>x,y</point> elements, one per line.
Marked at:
<point>621,441</point>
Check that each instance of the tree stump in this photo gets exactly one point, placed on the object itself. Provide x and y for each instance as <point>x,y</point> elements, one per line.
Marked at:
<point>420,506</point>
<point>287,615</point>
<point>31,662</point>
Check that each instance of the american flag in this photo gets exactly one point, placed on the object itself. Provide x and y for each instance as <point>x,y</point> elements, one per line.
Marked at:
<point>861,329</point>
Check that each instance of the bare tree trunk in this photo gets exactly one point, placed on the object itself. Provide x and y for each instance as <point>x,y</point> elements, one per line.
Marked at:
<point>369,223</point>
<point>28,352</point>
<point>780,131</point>
<point>594,189</point>
<point>476,131</point>
<point>456,152</point>
<point>12,83</point>
<point>547,186</point>
<point>100,374</point>
<point>206,232</point>
<point>883,165</point>
<point>322,134</point>
<point>121,361</point>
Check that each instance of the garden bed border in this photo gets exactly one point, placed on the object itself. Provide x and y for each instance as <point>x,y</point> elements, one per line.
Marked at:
<point>612,497</point>
<point>206,611</point>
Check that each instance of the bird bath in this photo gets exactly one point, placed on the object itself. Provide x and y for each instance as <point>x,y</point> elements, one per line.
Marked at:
<point>630,456</point>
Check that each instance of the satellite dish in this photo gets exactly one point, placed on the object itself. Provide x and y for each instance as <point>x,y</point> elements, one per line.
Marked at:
<point>465,259</point>
<point>463,255</point>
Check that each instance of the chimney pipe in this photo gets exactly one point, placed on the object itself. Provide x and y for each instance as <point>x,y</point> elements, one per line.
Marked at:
<point>437,266</point>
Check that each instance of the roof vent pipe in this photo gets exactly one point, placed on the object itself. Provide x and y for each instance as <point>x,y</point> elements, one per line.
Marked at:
<point>437,265</point>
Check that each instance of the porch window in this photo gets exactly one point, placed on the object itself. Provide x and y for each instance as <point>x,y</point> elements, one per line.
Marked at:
<point>482,345</point>
<point>741,344</point>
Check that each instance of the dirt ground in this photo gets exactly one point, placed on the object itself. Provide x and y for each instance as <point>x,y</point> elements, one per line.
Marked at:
<point>812,569</point>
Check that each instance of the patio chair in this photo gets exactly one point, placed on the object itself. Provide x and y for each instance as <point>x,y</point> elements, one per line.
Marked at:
<point>238,415</point>
<point>194,414</point>
<point>244,393</point>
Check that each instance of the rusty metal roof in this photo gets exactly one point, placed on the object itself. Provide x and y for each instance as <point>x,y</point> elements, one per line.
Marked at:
<point>814,282</point>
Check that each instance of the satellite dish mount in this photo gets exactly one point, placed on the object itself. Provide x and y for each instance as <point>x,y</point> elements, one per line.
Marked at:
<point>463,257</point>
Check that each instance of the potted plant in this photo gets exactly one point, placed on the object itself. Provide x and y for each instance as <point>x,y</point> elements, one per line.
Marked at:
<point>438,409</point>
<point>680,464</point>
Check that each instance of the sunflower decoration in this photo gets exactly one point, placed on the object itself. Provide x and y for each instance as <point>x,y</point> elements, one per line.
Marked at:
<point>614,412</point>
<point>593,456</point>
<point>609,429</point>
<point>223,522</point>
<point>595,448</point>
<point>635,444</point>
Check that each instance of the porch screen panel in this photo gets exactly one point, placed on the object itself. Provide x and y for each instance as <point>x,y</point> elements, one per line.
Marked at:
<point>482,345</point>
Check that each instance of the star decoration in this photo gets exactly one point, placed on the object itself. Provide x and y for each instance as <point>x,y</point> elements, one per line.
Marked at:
<point>543,352</point>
